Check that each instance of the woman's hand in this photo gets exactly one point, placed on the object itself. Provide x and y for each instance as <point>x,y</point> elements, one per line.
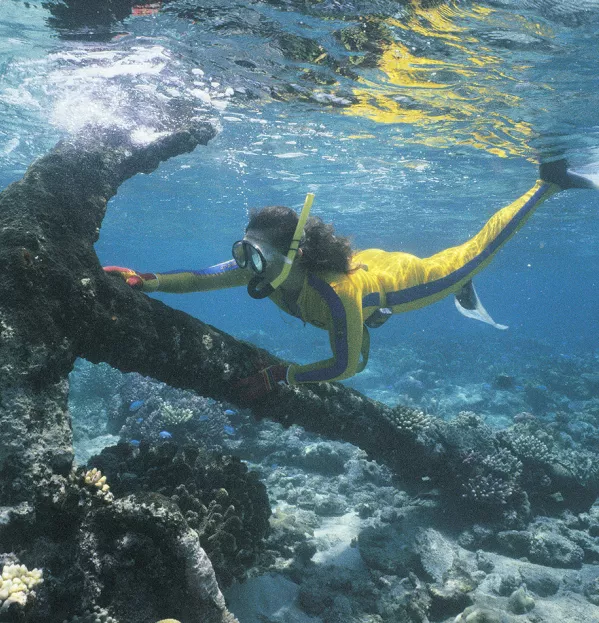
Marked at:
<point>129,276</point>
<point>259,385</point>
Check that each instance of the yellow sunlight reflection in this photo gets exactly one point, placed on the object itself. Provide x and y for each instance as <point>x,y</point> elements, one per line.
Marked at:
<point>461,97</point>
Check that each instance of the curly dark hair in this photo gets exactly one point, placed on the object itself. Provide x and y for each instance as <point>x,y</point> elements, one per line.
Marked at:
<point>321,248</point>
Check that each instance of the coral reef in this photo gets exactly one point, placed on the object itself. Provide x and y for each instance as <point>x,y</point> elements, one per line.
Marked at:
<point>509,472</point>
<point>528,464</point>
<point>387,555</point>
<point>142,409</point>
<point>136,553</point>
<point>225,503</point>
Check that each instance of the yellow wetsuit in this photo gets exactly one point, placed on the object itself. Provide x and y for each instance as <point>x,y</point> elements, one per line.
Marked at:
<point>341,303</point>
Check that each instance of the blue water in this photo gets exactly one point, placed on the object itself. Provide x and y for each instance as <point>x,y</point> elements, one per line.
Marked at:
<point>422,156</point>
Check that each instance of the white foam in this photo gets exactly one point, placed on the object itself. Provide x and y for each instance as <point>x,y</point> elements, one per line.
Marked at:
<point>118,69</point>
<point>83,56</point>
<point>291,154</point>
<point>126,88</point>
<point>145,136</point>
<point>74,112</point>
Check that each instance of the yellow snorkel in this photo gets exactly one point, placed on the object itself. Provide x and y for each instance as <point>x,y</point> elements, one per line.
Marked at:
<point>268,289</point>
<point>295,242</point>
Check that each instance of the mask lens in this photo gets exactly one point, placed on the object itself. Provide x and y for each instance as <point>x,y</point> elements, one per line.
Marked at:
<point>239,254</point>
<point>256,260</point>
<point>244,252</point>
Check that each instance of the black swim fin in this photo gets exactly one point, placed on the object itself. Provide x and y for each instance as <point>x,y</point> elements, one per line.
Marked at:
<point>557,172</point>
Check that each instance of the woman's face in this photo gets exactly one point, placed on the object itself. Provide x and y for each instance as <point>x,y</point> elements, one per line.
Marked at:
<point>274,257</point>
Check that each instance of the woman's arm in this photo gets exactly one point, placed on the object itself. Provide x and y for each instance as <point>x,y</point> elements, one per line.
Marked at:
<point>218,277</point>
<point>345,335</point>
<point>348,339</point>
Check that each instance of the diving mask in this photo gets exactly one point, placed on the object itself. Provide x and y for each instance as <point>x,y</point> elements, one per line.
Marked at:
<point>246,254</point>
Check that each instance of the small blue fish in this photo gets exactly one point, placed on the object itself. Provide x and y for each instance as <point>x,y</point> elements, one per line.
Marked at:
<point>519,388</point>
<point>134,442</point>
<point>543,388</point>
<point>229,429</point>
<point>487,386</point>
<point>204,418</point>
<point>230,412</point>
<point>136,405</point>
<point>139,420</point>
<point>164,434</point>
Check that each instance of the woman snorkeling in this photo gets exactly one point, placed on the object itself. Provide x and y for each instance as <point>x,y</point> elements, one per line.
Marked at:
<point>313,274</point>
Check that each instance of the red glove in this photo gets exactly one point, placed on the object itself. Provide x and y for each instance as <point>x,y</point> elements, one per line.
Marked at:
<point>130,277</point>
<point>259,385</point>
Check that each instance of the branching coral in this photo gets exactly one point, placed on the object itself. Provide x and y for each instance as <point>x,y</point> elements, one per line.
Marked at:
<point>97,615</point>
<point>503,462</point>
<point>529,448</point>
<point>495,478</point>
<point>488,490</point>
<point>16,585</point>
<point>409,421</point>
<point>94,483</point>
<point>173,416</point>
